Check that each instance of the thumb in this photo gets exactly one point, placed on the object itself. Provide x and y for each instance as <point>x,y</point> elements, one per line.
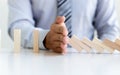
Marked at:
<point>60,19</point>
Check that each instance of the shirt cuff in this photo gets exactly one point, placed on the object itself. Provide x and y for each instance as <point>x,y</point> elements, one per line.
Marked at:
<point>42,35</point>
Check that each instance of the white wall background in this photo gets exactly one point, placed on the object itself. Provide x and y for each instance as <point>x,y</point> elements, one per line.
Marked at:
<point>6,41</point>
<point>118,9</point>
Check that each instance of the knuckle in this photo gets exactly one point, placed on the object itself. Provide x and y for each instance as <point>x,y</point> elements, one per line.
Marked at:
<point>60,29</point>
<point>62,46</point>
<point>65,40</point>
<point>54,26</point>
<point>59,49</point>
<point>65,32</point>
<point>60,38</point>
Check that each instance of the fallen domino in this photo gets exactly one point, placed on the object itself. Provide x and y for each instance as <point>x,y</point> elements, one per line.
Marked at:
<point>95,44</point>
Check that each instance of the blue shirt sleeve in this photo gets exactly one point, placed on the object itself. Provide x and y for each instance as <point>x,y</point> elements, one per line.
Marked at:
<point>20,17</point>
<point>105,20</point>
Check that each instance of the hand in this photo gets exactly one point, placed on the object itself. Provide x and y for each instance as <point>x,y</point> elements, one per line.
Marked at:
<point>57,39</point>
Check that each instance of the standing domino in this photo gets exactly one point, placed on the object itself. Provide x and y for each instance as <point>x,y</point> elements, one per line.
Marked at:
<point>36,41</point>
<point>17,40</point>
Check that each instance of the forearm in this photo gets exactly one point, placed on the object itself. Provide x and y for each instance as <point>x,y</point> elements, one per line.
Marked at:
<point>111,33</point>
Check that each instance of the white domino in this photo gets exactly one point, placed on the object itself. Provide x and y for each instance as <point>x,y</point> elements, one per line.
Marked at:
<point>74,45</point>
<point>117,41</point>
<point>78,42</point>
<point>36,41</point>
<point>111,44</point>
<point>99,42</point>
<point>17,40</point>
<point>93,45</point>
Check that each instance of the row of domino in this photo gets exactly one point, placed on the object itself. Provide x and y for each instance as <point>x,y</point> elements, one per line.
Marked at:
<point>74,41</point>
<point>17,41</point>
<point>96,44</point>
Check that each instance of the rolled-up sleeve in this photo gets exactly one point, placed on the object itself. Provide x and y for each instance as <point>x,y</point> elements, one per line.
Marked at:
<point>105,20</point>
<point>21,17</point>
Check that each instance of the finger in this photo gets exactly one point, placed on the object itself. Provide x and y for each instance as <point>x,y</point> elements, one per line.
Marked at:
<point>60,50</point>
<point>63,49</point>
<point>57,50</point>
<point>60,19</point>
<point>60,29</point>
<point>59,44</point>
<point>61,38</point>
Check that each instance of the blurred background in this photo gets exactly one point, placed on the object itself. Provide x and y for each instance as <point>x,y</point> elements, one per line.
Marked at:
<point>6,42</point>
